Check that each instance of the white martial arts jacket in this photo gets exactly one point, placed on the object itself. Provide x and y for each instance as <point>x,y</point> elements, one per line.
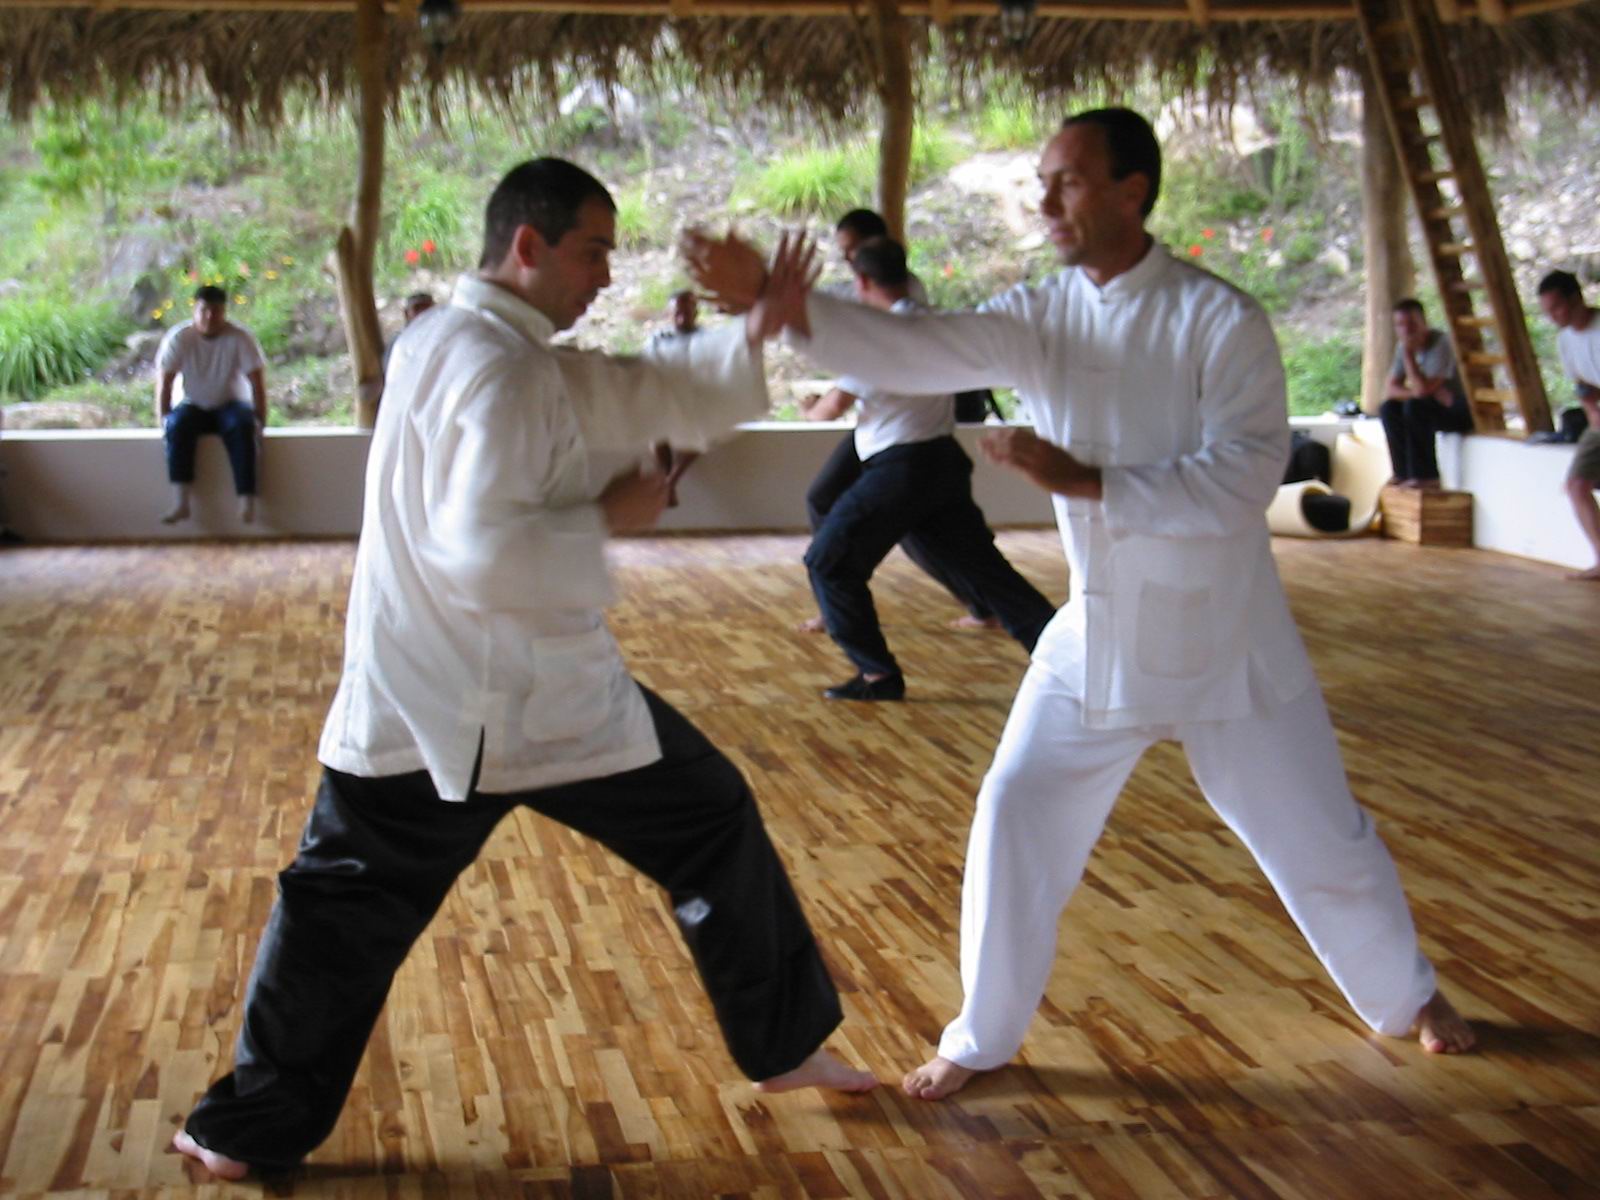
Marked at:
<point>475,611</point>
<point>1169,380</point>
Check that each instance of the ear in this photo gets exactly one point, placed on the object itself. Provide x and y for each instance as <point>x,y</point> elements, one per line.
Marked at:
<point>528,247</point>
<point>1135,187</point>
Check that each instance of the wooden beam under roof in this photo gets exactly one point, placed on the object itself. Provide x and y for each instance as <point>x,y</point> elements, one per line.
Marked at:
<point>938,10</point>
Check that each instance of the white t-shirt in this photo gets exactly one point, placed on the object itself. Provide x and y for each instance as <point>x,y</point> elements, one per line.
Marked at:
<point>1580,351</point>
<point>889,419</point>
<point>212,371</point>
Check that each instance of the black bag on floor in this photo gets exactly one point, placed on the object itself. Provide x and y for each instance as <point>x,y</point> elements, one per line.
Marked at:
<point>1308,459</point>
<point>973,408</point>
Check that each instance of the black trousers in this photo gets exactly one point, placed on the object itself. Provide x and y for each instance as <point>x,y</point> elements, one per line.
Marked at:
<point>375,862</point>
<point>1409,426</point>
<point>923,491</point>
<point>842,469</point>
<point>235,421</point>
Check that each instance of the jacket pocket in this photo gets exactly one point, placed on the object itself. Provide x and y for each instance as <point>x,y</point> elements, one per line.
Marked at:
<point>573,679</point>
<point>1175,638</point>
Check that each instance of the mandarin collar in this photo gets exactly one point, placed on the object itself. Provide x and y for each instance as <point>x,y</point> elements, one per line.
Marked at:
<point>1135,279</point>
<point>479,295</point>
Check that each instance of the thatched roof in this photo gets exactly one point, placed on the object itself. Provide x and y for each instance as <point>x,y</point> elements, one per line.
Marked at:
<point>816,56</point>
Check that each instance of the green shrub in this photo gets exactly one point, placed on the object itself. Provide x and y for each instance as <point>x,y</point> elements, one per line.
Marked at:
<point>430,223</point>
<point>1322,372</point>
<point>1010,124</point>
<point>44,345</point>
<point>933,152</point>
<point>825,179</point>
<point>93,152</point>
<point>640,222</point>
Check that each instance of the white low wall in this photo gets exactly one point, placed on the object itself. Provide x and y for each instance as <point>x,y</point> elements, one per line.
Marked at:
<point>110,485</point>
<point>1518,503</point>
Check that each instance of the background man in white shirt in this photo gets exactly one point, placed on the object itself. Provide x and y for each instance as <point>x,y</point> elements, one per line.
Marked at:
<point>915,483</point>
<point>218,362</point>
<point>1579,345</point>
<point>479,676</point>
<point>1158,401</point>
<point>843,467</point>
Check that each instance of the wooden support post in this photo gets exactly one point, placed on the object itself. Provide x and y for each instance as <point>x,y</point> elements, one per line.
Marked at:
<point>1389,270</point>
<point>899,114</point>
<point>358,242</point>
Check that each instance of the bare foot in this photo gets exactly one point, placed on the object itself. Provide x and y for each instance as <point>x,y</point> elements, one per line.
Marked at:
<point>936,1079</point>
<point>1592,575</point>
<point>247,509</point>
<point>971,622</point>
<point>811,625</point>
<point>180,513</point>
<point>821,1070</point>
<point>219,1165</point>
<point>1442,1030</point>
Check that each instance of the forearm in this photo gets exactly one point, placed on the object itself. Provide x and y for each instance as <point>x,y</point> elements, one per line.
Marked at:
<point>914,354</point>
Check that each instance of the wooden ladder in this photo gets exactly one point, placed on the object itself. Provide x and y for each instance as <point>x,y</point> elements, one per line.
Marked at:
<point>1406,53</point>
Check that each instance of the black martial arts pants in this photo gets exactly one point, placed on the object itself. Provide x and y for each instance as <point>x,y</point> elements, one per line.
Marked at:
<point>842,469</point>
<point>375,862</point>
<point>921,490</point>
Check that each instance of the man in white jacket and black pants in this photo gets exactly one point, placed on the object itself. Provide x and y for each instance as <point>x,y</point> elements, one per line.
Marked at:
<point>479,676</point>
<point>1160,428</point>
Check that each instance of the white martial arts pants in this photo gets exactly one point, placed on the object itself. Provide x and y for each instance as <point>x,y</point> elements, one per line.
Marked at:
<point>1276,779</point>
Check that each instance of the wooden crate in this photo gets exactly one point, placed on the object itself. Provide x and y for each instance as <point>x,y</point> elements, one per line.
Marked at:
<point>1427,518</point>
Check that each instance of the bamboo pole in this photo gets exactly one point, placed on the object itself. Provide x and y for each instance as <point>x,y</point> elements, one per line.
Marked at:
<point>899,114</point>
<point>357,245</point>
<point>1390,272</point>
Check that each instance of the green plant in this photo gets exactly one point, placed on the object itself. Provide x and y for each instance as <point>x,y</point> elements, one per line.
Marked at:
<point>1322,372</point>
<point>640,221</point>
<point>1010,123</point>
<point>44,344</point>
<point>822,179</point>
<point>90,151</point>
<point>429,223</point>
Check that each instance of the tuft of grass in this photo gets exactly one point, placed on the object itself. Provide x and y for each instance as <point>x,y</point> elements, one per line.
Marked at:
<point>1322,372</point>
<point>816,179</point>
<point>640,222</point>
<point>44,344</point>
<point>1010,124</point>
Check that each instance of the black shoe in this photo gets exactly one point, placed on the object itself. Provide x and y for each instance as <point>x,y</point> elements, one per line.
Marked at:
<point>890,687</point>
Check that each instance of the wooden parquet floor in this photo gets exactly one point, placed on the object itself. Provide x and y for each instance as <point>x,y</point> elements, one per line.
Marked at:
<point>159,709</point>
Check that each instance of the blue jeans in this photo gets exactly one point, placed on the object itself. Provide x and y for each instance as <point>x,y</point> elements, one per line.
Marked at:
<point>235,421</point>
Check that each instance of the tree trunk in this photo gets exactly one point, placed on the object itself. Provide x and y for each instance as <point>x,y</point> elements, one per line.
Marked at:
<point>356,249</point>
<point>899,115</point>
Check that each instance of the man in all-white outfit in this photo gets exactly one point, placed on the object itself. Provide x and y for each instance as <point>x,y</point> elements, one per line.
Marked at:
<point>479,676</point>
<point>1157,396</point>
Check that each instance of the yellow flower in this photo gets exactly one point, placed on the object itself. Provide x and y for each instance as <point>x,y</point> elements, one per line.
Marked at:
<point>241,300</point>
<point>287,261</point>
<point>272,274</point>
<point>155,314</point>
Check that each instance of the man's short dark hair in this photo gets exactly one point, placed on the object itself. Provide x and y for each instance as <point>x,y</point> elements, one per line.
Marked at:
<point>1410,304</point>
<point>863,223</point>
<point>420,300</point>
<point>545,193</point>
<point>883,261</point>
<point>1562,283</point>
<point>209,294</point>
<point>1131,143</point>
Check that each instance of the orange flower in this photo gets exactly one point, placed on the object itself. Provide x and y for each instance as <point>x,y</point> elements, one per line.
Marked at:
<point>428,247</point>
<point>1208,234</point>
<point>1266,234</point>
<point>1195,251</point>
<point>413,258</point>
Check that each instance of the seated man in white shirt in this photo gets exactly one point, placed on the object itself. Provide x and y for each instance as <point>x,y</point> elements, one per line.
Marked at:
<point>219,362</point>
<point>915,485</point>
<point>1160,430</point>
<point>480,677</point>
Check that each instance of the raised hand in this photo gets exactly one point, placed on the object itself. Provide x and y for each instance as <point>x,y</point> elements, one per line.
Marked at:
<point>729,269</point>
<point>782,302</point>
<point>1045,463</point>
